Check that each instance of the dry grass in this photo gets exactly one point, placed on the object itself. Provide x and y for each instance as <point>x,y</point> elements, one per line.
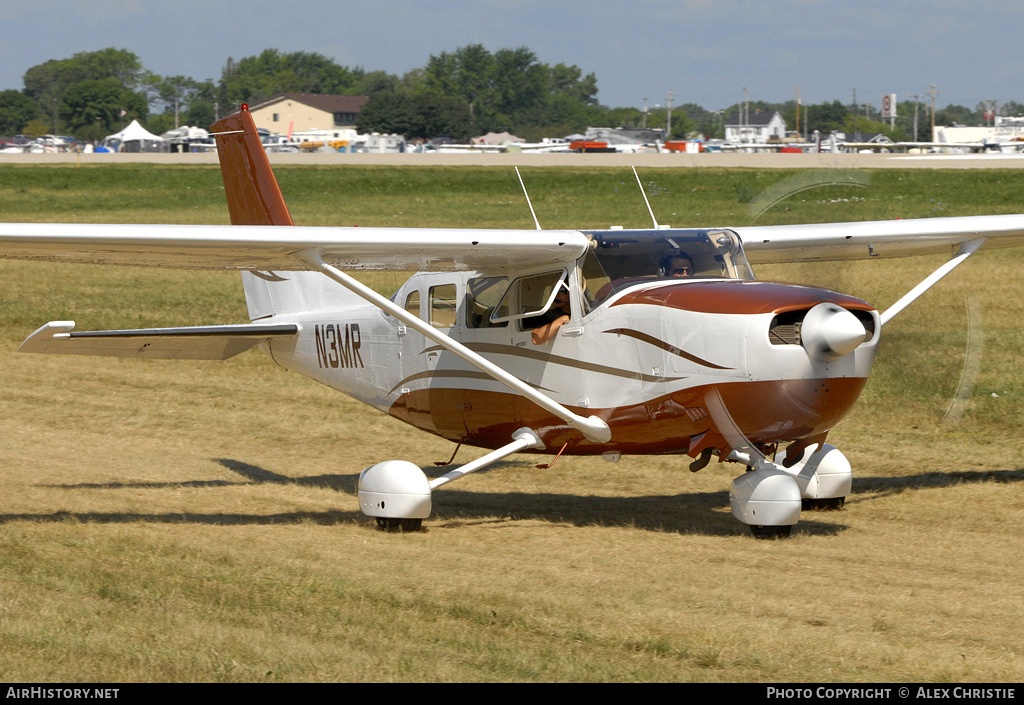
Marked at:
<point>167,521</point>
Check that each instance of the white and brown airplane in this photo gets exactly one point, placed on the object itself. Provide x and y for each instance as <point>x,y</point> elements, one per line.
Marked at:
<point>597,342</point>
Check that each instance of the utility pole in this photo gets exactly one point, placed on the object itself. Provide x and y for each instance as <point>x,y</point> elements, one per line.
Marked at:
<point>917,104</point>
<point>668,102</point>
<point>745,115</point>
<point>933,93</point>
<point>798,110</point>
<point>853,110</point>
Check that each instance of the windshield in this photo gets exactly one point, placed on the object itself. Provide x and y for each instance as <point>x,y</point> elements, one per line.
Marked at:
<point>619,258</point>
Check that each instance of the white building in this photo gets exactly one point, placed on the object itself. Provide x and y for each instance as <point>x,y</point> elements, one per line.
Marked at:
<point>755,128</point>
<point>1005,130</point>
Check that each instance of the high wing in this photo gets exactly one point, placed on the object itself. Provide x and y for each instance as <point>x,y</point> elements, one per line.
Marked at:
<point>878,238</point>
<point>276,247</point>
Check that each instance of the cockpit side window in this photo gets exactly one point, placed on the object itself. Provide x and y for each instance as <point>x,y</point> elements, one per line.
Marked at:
<point>594,280</point>
<point>482,296</point>
<point>528,296</point>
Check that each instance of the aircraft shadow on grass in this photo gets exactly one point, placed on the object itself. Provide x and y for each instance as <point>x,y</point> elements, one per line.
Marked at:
<point>888,486</point>
<point>704,513</point>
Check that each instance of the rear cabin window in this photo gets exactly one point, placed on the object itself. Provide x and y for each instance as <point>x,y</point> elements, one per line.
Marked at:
<point>443,305</point>
<point>412,303</point>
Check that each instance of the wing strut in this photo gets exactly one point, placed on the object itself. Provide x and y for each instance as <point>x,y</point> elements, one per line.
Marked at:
<point>593,428</point>
<point>644,194</point>
<point>525,193</point>
<point>966,250</point>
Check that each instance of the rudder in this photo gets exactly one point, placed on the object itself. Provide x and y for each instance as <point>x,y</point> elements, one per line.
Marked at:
<point>254,198</point>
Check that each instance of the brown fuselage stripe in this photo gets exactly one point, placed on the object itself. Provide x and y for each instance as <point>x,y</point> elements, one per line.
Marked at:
<point>661,425</point>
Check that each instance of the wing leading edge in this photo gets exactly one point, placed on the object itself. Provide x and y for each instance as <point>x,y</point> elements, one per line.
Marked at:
<point>278,247</point>
<point>879,238</point>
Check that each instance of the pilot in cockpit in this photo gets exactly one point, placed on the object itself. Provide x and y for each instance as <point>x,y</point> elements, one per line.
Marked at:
<point>676,264</point>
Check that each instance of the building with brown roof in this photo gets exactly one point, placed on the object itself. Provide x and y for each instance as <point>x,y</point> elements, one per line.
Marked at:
<point>299,112</point>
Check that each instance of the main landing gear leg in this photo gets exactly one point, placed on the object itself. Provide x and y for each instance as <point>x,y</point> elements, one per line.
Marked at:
<point>398,494</point>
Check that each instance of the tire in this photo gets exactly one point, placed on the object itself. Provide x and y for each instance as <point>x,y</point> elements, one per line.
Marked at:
<point>770,532</point>
<point>399,525</point>
<point>831,504</point>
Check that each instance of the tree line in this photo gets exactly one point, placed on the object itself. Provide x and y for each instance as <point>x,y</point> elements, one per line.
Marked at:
<point>459,94</point>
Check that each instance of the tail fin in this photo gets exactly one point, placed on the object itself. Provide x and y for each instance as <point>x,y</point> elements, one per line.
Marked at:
<point>254,198</point>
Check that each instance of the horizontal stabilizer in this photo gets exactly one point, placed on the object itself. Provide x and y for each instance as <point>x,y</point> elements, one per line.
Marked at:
<point>190,343</point>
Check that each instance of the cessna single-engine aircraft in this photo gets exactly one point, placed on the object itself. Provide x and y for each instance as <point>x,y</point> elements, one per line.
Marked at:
<point>596,342</point>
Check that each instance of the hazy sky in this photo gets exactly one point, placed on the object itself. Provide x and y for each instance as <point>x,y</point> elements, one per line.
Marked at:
<point>702,51</point>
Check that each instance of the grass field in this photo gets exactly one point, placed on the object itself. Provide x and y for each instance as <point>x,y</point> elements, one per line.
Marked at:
<point>183,521</point>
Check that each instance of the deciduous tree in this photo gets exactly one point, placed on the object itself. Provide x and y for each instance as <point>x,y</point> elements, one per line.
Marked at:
<point>94,109</point>
<point>49,82</point>
<point>16,110</point>
<point>257,78</point>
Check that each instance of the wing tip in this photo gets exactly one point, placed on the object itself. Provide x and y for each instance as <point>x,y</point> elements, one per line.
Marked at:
<point>37,342</point>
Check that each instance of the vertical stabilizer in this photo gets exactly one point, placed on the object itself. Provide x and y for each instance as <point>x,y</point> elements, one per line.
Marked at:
<point>254,197</point>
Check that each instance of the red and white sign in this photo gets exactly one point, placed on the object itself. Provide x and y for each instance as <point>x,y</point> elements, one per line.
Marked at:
<point>889,105</point>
